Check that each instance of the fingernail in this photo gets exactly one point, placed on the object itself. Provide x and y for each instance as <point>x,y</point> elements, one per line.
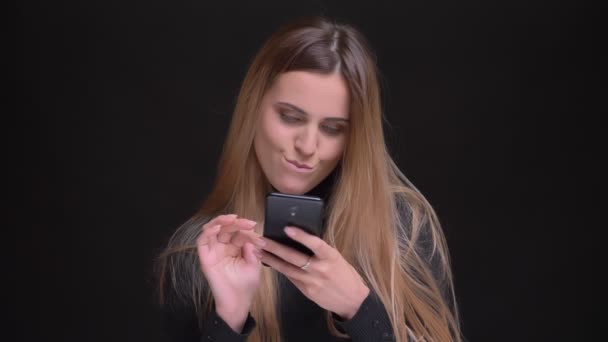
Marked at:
<point>290,231</point>
<point>232,216</point>
<point>251,223</point>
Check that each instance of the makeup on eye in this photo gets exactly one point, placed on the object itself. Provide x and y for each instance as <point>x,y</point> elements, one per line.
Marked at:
<point>285,107</point>
<point>329,129</point>
<point>332,130</point>
<point>289,118</point>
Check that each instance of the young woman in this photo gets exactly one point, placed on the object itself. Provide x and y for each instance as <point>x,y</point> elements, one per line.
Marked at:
<point>308,120</point>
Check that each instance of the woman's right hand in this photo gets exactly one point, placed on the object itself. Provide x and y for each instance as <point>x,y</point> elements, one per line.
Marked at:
<point>229,258</point>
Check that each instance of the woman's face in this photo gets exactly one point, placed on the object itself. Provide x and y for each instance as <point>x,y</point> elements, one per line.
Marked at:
<point>302,130</point>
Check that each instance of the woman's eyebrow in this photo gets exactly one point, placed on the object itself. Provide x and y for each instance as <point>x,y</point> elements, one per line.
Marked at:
<point>302,112</point>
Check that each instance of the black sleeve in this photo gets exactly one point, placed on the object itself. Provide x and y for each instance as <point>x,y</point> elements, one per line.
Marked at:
<point>215,329</point>
<point>370,324</point>
<point>181,324</point>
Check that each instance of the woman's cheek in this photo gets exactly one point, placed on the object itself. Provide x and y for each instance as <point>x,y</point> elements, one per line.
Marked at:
<point>334,150</point>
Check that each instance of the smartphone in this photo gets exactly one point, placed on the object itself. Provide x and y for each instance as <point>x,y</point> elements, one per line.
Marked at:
<point>304,212</point>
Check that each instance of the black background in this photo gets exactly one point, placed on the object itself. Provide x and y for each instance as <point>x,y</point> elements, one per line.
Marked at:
<point>126,105</point>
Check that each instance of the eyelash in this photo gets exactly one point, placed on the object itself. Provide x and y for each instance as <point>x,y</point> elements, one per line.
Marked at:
<point>289,118</point>
<point>294,120</point>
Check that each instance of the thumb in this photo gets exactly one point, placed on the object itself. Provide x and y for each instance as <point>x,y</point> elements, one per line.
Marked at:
<point>248,253</point>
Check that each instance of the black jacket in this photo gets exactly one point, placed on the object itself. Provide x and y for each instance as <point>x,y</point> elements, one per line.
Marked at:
<point>300,318</point>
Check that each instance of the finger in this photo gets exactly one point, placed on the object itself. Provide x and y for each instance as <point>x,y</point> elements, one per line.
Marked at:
<point>221,220</point>
<point>283,267</point>
<point>208,235</point>
<point>206,242</point>
<point>239,225</point>
<point>288,254</point>
<point>224,237</point>
<point>321,249</point>
<point>249,254</point>
<point>242,237</point>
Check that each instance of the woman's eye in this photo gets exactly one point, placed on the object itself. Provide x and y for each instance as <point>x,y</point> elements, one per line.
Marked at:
<point>332,130</point>
<point>288,118</point>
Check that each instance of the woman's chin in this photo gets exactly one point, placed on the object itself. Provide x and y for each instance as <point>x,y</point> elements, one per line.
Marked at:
<point>292,189</point>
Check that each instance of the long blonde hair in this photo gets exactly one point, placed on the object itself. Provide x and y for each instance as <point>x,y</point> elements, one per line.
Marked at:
<point>378,220</point>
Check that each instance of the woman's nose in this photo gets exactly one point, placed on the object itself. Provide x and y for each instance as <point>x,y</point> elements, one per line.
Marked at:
<point>306,142</point>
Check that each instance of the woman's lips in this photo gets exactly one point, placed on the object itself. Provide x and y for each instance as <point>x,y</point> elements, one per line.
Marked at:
<point>294,165</point>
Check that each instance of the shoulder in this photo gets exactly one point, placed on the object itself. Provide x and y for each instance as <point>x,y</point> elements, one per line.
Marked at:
<point>419,232</point>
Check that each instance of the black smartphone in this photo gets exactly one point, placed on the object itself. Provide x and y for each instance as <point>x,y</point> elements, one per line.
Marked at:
<point>304,212</point>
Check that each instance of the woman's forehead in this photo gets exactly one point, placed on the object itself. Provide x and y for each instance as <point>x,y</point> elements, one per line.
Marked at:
<point>312,93</point>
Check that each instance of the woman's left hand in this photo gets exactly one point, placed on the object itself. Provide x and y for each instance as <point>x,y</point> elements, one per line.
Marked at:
<point>328,280</point>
